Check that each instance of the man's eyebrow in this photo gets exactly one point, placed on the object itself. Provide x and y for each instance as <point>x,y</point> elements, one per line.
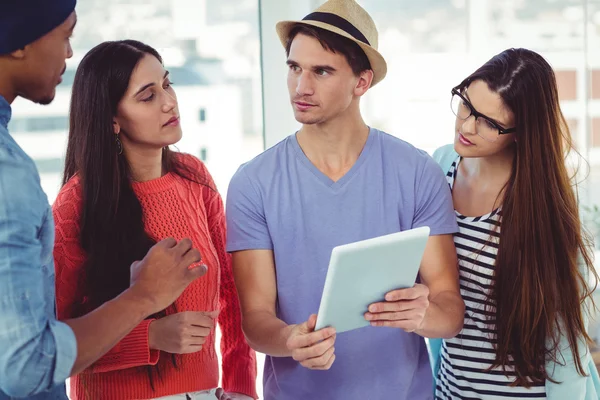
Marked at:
<point>328,68</point>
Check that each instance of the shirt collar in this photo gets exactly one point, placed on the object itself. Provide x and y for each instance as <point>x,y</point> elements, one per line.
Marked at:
<point>5,112</point>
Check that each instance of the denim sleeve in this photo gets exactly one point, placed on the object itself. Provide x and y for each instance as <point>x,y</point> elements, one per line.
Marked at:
<point>37,352</point>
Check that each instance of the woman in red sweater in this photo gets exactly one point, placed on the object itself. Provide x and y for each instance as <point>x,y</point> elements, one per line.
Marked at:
<point>123,190</point>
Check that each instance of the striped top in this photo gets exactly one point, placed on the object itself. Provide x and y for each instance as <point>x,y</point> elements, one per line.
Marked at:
<point>465,359</point>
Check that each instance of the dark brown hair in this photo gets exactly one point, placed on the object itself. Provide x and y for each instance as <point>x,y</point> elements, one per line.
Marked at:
<point>540,286</point>
<point>356,57</point>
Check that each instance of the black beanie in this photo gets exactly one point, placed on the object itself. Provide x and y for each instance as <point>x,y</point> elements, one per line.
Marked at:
<point>25,21</point>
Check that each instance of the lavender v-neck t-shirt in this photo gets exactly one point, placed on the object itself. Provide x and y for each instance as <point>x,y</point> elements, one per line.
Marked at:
<point>280,201</point>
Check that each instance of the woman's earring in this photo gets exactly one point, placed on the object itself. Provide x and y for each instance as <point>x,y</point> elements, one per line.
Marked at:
<point>119,144</point>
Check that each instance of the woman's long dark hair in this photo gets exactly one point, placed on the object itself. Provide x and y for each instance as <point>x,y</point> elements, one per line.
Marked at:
<point>540,284</point>
<point>112,225</point>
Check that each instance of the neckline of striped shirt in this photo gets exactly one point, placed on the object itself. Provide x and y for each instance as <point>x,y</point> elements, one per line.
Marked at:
<point>486,217</point>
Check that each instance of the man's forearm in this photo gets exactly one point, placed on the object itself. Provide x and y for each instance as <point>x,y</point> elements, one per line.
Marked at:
<point>266,333</point>
<point>100,330</point>
<point>444,317</point>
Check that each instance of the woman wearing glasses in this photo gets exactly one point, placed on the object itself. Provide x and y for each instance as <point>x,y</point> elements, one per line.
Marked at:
<point>525,264</point>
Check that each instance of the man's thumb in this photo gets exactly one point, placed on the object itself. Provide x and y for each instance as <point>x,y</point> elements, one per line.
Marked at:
<point>197,272</point>
<point>311,323</point>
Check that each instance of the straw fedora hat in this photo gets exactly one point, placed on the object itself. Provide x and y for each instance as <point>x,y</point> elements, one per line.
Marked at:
<point>348,19</point>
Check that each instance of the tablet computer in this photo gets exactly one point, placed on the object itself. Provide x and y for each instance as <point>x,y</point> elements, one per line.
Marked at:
<point>361,273</point>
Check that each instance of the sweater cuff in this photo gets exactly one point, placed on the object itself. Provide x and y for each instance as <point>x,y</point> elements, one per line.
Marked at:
<point>132,351</point>
<point>241,380</point>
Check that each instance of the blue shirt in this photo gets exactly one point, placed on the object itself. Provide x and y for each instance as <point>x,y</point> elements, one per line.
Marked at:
<point>280,201</point>
<point>37,352</point>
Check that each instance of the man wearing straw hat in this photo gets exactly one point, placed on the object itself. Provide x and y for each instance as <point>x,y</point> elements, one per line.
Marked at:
<point>338,181</point>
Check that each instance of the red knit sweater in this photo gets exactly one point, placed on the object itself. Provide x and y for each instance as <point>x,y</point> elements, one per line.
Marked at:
<point>172,207</point>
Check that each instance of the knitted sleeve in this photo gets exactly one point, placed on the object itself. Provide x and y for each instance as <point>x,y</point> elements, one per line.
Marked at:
<point>133,350</point>
<point>239,360</point>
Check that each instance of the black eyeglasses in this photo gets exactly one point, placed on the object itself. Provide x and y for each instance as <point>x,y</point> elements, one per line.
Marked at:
<point>486,128</point>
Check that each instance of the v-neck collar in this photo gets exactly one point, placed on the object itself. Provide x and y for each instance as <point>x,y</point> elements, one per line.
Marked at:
<point>327,181</point>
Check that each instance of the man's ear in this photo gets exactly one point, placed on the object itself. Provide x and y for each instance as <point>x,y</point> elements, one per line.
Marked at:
<point>21,53</point>
<point>364,82</point>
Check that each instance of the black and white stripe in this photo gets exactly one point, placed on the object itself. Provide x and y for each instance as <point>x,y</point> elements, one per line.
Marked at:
<point>467,358</point>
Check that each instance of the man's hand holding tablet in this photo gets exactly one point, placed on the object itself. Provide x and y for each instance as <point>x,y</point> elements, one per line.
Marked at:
<point>402,308</point>
<point>312,349</point>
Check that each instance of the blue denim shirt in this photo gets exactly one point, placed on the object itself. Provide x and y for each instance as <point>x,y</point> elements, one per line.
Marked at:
<point>37,352</point>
